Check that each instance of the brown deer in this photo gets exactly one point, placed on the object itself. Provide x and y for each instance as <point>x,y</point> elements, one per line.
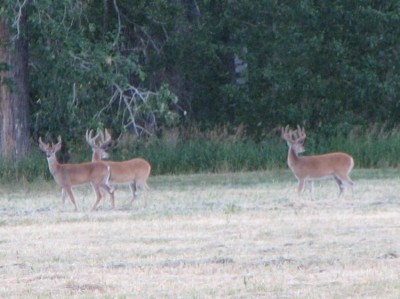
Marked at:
<point>309,168</point>
<point>134,172</point>
<point>69,175</point>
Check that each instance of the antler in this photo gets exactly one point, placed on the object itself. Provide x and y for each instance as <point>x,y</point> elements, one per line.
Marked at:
<point>287,134</point>
<point>293,136</point>
<point>90,139</point>
<point>106,139</point>
<point>43,146</point>
<point>51,146</point>
<point>301,134</point>
<point>57,146</point>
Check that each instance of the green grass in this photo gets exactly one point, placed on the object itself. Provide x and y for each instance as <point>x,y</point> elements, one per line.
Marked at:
<point>225,235</point>
<point>218,152</point>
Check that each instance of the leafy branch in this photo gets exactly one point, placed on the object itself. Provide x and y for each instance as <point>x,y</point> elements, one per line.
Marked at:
<point>141,110</point>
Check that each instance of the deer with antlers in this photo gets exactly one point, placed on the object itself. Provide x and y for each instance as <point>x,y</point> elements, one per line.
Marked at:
<point>134,172</point>
<point>309,168</point>
<point>69,175</point>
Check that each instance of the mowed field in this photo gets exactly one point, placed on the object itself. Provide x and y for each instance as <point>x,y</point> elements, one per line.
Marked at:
<point>234,235</point>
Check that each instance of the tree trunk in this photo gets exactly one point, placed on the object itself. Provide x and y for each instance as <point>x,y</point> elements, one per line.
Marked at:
<point>14,94</point>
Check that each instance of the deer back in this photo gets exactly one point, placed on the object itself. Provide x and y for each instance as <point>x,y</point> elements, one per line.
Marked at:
<point>125,171</point>
<point>82,173</point>
<point>321,166</point>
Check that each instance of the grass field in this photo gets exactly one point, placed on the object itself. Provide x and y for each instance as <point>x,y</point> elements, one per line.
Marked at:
<point>235,235</point>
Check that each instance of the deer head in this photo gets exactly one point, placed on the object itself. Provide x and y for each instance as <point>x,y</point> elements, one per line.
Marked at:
<point>99,150</point>
<point>295,139</point>
<point>50,149</point>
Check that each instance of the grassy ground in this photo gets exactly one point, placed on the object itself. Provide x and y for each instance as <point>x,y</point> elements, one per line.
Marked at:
<point>244,235</point>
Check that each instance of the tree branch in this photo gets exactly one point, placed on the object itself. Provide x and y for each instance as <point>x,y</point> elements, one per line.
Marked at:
<point>119,21</point>
<point>17,20</point>
<point>130,103</point>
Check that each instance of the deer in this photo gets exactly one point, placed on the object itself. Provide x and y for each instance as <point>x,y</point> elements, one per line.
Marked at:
<point>335,165</point>
<point>134,172</point>
<point>68,176</point>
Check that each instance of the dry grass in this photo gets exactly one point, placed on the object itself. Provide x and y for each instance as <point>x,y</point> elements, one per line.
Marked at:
<point>205,236</point>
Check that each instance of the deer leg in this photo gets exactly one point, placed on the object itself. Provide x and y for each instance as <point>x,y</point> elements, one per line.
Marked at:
<point>346,181</point>
<point>133,188</point>
<point>110,191</point>
<point>300,187</point>
<point>145,188</point>
<point>351,184</point>
<point>340,185</point>
<point>105,184</point>
<point>71,197</point>
<point>312,189</point>
<point>63,196</point>
<point>98,196</point>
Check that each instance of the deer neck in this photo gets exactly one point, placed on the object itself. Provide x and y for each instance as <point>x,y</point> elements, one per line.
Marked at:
<point>293,157</point>
<point>54,166</point>
<point>96,156</point>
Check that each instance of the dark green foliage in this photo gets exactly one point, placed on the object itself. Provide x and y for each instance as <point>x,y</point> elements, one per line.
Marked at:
<point>326,65</point>
<point>329,66</point>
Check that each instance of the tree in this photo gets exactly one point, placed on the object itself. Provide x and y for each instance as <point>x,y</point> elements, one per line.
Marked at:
<point>14,94</point>
<point>88,66</point>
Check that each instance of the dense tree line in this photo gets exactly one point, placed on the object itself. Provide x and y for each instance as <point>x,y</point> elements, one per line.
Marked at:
<point>145,65</point>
